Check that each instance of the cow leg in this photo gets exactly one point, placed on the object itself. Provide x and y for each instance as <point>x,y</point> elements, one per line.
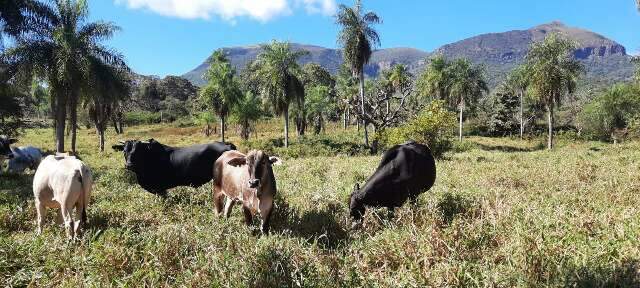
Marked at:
<point>162,194</point>
<point>59,217</point>
<point>266,219</point>
<point>248,218</point>
<point>42,213</point>
<point>228,206</point>
<point>78,223</point>
<point>218,199</point>
<point>413,199</point>
<point>266,207</point>
<point>68,219</point>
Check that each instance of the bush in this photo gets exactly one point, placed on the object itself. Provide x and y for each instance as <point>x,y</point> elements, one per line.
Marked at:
<point>310,146</point>
<point>503,120</point>
<point>434,127</point>
<point>613,110</point>
<point>141,117</point>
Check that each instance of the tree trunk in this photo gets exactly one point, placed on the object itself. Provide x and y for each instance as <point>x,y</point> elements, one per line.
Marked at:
<point>286,127</point>
<point>348,116</point>
<point>521,115</point>
<point>364,120</point>
<point>344,120</point>
<point>460,126</point>
<point>74,121</point>
<point>222,128</point>
<point>115,126</point>
<point>101,135</point>
<point>551,119</point>
<point>61,117</point>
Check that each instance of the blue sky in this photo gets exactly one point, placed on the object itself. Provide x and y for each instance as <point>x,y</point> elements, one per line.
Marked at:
<point>171,37</point>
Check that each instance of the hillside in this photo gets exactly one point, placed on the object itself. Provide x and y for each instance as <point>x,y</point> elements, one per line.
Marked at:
<point>330,59</point>
<point>605,60</point>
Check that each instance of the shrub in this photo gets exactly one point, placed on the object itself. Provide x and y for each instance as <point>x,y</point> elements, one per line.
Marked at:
<point>141,117</point>
<point>310,146</point>
<point>612,110</point>
<point>503,120</point>
<point>433,127</point>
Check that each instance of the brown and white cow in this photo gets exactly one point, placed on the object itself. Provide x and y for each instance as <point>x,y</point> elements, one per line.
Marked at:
<point>247,179</point>
<point>63,182</point>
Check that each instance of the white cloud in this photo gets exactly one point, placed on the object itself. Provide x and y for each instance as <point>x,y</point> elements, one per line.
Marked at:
<point>325,7</point>
<point>262,10</point>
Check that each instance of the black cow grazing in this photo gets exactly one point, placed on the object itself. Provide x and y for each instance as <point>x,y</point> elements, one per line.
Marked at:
<point>160,167</point>
<point>5,149</point>
<point>405,172</point>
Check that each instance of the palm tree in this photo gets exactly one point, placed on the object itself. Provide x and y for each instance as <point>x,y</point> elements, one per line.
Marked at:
<point>246,112</point>
<point>518,81</point>
<point>357,39</point>
<point>18,16</point>
<point>434,82</point>
<point>109,86</point>
<point>319,106</point>
<point>400,80</point>
<point>278,72</point>
<point>346,89</point>
<point>552,72</point>
<point>61,51</point>
<point>222,90</point>
<point>466,87</point>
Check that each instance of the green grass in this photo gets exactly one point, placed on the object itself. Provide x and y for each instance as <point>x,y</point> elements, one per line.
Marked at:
<point>502,213</point>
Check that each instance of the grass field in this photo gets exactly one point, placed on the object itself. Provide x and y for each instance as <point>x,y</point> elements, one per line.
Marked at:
<point>502,213</point>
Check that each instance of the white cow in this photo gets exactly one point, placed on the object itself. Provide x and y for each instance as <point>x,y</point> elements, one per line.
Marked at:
<point>23,158</point>
<point>63,182</point>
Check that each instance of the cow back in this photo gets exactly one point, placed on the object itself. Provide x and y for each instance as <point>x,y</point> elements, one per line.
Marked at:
<point>405,171</point>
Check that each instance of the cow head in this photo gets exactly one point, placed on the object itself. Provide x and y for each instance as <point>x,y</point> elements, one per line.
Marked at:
<point>5,150</point>
<point>356,207</point>
<point>138,153</point>
<point>259,164</point>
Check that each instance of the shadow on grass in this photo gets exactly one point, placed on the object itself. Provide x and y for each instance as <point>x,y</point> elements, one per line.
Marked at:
<point>15,189</point>
<point>508,149</point>
<point>627,274</point>
<point>452,205</point>
<point>316,225</point>
<point>273,268</point>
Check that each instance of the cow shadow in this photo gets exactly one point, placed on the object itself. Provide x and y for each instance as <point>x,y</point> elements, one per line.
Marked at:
<point>321,226</point>
<point>627,274</point>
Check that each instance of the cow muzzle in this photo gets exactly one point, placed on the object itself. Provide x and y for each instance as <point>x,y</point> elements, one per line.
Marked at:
<point>254,183</point>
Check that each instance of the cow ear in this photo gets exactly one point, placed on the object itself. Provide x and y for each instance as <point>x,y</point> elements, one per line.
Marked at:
<point>356,187</point>
<point>275,160</point>
<point>118,147</point>
<point>237,161</point>
<point>11,141</point>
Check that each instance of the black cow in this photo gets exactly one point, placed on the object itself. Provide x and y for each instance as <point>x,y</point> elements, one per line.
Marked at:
<point>5,149</point>
<point>160,167</point>
<point>405,171</point>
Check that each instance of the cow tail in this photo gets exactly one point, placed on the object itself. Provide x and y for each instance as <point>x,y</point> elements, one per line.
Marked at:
<point>84,176</point>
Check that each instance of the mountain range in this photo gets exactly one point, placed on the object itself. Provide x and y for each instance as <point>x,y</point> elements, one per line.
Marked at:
<point>605,60</point>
